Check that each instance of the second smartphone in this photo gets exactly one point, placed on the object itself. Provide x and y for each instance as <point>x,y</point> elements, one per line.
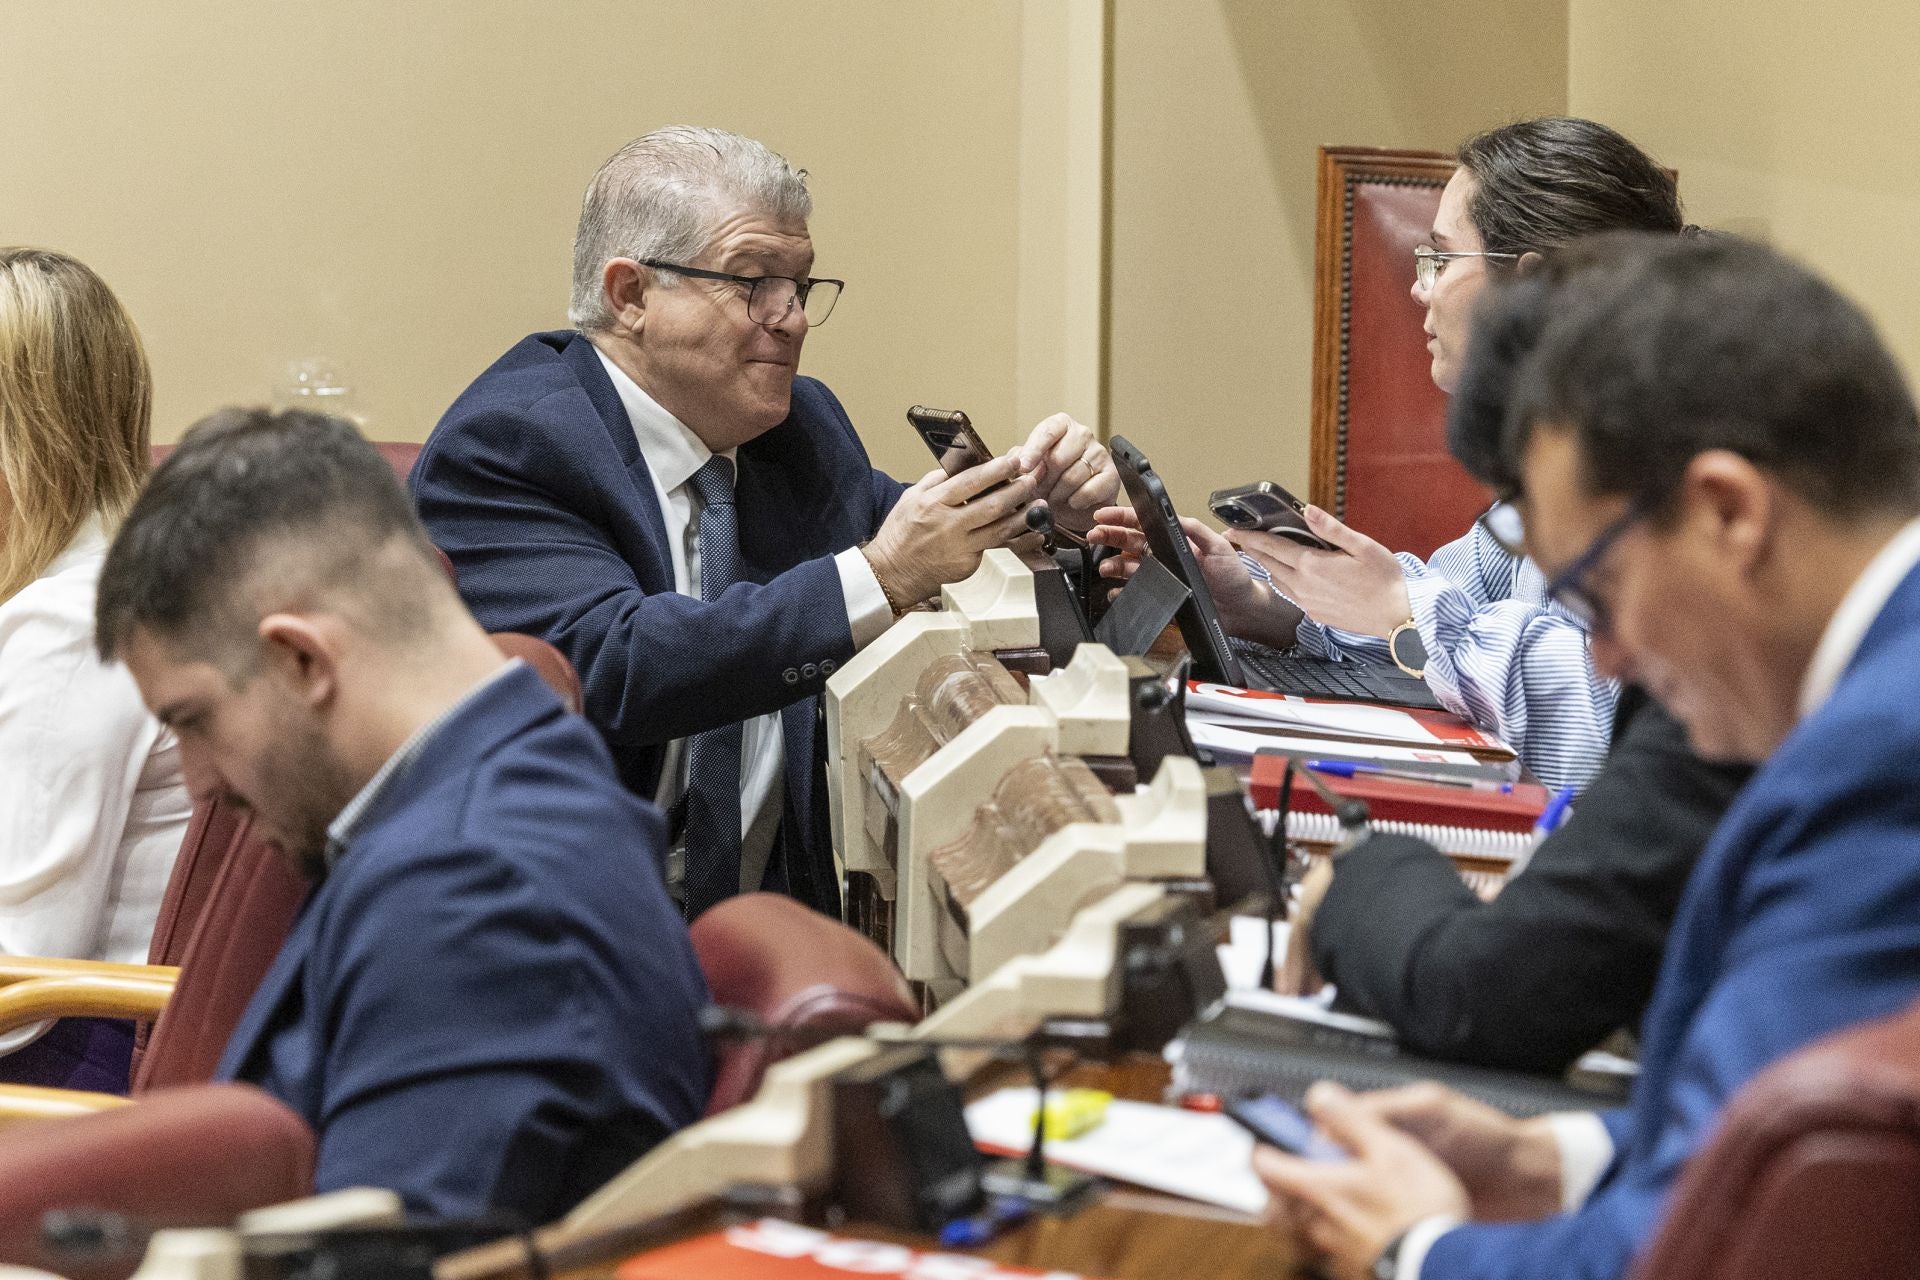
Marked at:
<point>1267,507</point>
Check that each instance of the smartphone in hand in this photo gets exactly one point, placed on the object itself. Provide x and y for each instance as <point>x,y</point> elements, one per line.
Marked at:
<point>1278,1123</point>
<point>950,435</point>
<point>1267,507</point>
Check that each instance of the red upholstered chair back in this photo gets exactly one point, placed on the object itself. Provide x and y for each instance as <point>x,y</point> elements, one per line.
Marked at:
<point>794,968</point>
<point>1813,1172</point>
<point>1380,458</point>
<point>183,1157</point>
<point>552,665</point>
<point>230,904</point>
<point>252,897</point>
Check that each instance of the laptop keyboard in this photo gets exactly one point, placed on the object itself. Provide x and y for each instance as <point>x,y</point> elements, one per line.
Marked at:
<point>1316,677</point>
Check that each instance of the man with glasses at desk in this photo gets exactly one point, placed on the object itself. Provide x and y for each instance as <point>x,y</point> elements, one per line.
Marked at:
<point>1718,464</point>
<point>698,529</point>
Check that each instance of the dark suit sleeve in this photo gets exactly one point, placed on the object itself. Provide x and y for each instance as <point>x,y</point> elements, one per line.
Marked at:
<point>487,1045</point>
<point>1567,953</point>
<point>522,504</point>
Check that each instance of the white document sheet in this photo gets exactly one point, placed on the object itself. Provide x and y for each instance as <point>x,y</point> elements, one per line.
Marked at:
<point>1197,1155</point>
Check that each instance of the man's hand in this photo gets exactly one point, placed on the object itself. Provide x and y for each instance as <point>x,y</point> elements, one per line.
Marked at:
<point>941,526</point>
<point>1359,588</point>
<point>1510,1168</point>
<point>1349,1211</point>
<point>1247,607</point>
<point>1297,976</point>
<point>1074,475</point>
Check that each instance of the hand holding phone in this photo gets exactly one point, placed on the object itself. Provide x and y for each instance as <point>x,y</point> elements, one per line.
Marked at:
<point>950,435</point>
<point>1278,1123</point>
<point>1267,507</point>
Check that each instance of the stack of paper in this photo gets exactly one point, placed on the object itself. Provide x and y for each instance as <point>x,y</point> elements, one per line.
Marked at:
<point>1241,721</point>
<point>1196,1154</point>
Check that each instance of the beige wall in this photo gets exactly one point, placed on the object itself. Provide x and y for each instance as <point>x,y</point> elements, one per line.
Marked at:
<point>1798,123</point>
<point>395,186</point>
<point>1218,108</point>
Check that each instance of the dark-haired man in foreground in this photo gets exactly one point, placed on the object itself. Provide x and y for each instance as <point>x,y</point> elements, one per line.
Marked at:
<point>488,1001</point>
<point>1719,469</point>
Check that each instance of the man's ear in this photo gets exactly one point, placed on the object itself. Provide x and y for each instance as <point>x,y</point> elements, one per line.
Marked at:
<point>305,653</point>
<point>1734,504</point>
<point>625,283</point>
<point>1529,262</point>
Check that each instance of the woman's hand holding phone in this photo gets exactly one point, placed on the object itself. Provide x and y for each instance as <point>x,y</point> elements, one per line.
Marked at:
<point>1359,587</point>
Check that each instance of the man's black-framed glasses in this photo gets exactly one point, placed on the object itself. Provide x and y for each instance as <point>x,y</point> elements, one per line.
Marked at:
<point>1569,586</point>
<point>770,299</point>
<point>1429,262</point>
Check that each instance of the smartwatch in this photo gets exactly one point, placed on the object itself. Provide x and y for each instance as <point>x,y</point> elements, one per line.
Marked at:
<point>1408,649</point>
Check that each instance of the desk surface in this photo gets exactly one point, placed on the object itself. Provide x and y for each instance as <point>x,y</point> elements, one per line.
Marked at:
<point>1124,1234</point>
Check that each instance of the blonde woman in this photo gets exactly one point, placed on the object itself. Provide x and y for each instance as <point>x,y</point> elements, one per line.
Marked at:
<point>92,804</point>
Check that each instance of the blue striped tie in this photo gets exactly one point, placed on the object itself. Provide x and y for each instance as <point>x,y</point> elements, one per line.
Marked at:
<point>713,757</point>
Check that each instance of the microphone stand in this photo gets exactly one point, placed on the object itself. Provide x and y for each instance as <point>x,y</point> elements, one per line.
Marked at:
<point>1281,864</point>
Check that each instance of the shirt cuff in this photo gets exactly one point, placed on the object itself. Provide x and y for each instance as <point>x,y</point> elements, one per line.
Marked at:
<point>1586,1149</point>
<point>868,613</point>
<point>1415,1243</point>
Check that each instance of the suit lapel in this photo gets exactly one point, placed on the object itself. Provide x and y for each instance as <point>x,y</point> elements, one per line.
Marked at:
<point>250,1033</point>
<point>593,379</point>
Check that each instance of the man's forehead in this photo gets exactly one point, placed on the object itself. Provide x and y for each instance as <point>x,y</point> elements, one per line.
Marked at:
<point>748,233</point>
<point>167,671</point>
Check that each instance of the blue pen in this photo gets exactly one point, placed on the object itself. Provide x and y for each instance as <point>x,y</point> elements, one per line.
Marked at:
<point>1356,768</point>
<point>1001,1212</point>
<point>1551,819</point>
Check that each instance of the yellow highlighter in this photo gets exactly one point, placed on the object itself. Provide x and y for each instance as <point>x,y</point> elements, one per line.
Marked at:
<point>1073,1112</point>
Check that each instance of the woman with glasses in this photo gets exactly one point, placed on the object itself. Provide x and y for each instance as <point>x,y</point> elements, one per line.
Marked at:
<point>1569,950</point>
<point>1475,617</point>
<point>92,803</point>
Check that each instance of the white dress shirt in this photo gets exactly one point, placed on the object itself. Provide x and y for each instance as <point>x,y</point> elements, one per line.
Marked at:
<point>673,453</point>
<point>92,803</point>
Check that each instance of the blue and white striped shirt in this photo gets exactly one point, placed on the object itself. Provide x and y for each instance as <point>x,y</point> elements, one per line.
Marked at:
<point>1499,653</point>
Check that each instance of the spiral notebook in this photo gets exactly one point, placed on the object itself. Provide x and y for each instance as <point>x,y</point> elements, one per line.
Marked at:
<point>1461,821</point>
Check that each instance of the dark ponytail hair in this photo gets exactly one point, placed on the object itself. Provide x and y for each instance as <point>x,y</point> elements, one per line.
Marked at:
<point>1540,184</point>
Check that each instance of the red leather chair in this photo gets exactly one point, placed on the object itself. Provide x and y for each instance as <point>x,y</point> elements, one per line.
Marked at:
<point>1813,1172</point>
<point>1380,458</point>
<point>794,969</point>
<point>183,1157</point>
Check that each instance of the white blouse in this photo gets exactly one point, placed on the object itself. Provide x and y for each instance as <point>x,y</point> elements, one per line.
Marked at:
<point>92,802</point>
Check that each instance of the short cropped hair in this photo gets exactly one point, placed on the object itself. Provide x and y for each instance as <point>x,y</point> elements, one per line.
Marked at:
<point>249,493</point>
<point>661,196</point>
<point>1540,184</point>
<point>1654,349</point>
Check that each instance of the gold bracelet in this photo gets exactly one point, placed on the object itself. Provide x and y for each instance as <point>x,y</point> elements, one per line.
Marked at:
<point>892,604</point>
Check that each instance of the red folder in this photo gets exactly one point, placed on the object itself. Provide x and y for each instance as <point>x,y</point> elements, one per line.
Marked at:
<point>774,1250</point>
<point>1402,800</point>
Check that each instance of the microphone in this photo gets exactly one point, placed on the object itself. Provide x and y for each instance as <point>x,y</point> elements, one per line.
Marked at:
<point>1353,815</point>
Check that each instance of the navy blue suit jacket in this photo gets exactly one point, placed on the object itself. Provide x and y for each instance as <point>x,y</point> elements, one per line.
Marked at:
<point>489,1001</point>
<point>534,485</point>
<point>1802,917</point>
